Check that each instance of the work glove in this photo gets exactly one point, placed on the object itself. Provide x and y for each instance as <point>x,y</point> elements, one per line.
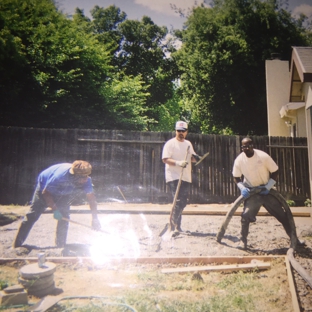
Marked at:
<point>266,188</point>
<point>197,157</point>
<point>181,163</point>
<point>96,225</point>
<point>244,190</point>
<point>57,215</point>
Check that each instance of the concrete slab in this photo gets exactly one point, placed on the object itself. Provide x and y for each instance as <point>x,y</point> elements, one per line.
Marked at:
<point>38,282</point>
<point>33,271</point>
<point>13,299</point>
<point>38,288</point>
<point>43,292</point>
<point>45,303</point>
<point>13,289</point>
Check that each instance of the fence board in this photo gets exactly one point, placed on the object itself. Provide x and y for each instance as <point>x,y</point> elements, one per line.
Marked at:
<point>132,161</point>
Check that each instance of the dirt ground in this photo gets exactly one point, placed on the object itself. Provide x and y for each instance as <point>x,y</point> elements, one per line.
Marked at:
<point>128,235</point>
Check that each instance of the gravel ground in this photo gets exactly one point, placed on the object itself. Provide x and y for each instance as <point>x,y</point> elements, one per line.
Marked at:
<point>137,235</point>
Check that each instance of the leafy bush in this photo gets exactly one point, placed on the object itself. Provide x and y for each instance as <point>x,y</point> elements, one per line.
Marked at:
<point>3,284</point>
<point>291,203</point>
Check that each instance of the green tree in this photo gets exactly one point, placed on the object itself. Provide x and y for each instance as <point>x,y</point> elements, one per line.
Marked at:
<point>55,73</point>
<point>168,113</point>
<point>140,49</point>
<point>126,97</point>
<point>72,69</point>
<point>144,51</point>
<point>82,22</point>
<point>59,71</point>
<point>222,59</point>
<point>16,79</point>
<point>105,25</point>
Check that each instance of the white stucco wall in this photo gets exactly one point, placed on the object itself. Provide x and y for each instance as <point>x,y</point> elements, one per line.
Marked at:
<point>308,97</point>
<point>307,87</point>
<point>277,85</point>
<point>301,122</point>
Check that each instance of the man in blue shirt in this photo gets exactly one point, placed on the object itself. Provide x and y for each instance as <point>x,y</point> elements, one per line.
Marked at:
<point>57,187</point>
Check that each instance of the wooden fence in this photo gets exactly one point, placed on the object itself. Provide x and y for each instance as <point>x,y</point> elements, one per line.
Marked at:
<point>128,164</point>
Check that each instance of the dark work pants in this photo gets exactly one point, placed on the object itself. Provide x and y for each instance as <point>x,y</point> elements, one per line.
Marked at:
<point>37,207</point>
<point>252,206</point>
<point>176,216</point>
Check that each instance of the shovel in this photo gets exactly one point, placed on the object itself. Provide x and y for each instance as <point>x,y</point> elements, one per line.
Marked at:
<point>177,191</point>
<point>90,227</point>
<point>85,225</point>
<point>168,225</point>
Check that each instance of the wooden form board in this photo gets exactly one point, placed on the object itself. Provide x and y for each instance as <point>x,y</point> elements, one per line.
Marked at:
<point>185,212</point>
<point>292,287</point>
<point>226,268</point>
<point>186,260</point>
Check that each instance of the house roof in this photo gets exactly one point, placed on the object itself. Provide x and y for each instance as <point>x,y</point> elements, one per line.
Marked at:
<point>301,72</point>
<point>302,57</point>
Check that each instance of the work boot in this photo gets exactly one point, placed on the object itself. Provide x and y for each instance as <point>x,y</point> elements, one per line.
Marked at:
<point>175,233</point>
<point>301,242</point>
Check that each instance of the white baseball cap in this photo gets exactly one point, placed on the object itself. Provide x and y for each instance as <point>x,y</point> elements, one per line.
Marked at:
<point>181,125</point>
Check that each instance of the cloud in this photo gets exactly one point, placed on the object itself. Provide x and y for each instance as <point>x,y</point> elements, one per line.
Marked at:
<point>303,8</point>
<point>163,6</point>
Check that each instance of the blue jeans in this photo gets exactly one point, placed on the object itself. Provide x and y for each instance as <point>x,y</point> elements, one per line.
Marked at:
<point>38,206</point>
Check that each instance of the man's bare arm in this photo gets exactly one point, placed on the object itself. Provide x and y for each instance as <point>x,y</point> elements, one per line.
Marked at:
<point>237,180</point>
<point>274,175</point>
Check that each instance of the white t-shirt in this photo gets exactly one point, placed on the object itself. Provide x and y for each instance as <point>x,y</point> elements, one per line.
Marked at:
<point>256,169</point>
<point>177,150</point>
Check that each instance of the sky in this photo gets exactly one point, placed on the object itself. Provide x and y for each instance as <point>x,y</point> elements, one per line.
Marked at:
<point>159,11</point>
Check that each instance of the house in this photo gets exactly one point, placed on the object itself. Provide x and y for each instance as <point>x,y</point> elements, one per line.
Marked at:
<point>289,97</point>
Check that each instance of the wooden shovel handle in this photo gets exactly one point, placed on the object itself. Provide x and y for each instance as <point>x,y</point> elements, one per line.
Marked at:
<point>178,186</point>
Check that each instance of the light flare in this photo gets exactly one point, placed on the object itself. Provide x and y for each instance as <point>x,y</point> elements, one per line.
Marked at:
<point>114,246</point>
<point>146,227</point>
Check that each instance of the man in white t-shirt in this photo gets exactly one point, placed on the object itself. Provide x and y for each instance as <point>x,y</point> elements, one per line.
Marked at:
<point>177,158</point>
<point>258,170</point>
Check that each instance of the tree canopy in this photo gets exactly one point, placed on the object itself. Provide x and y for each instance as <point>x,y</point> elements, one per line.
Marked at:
<point>110,72</point>
<point>140,50</point>
<point>223,62</point>
<point>59,72</point>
